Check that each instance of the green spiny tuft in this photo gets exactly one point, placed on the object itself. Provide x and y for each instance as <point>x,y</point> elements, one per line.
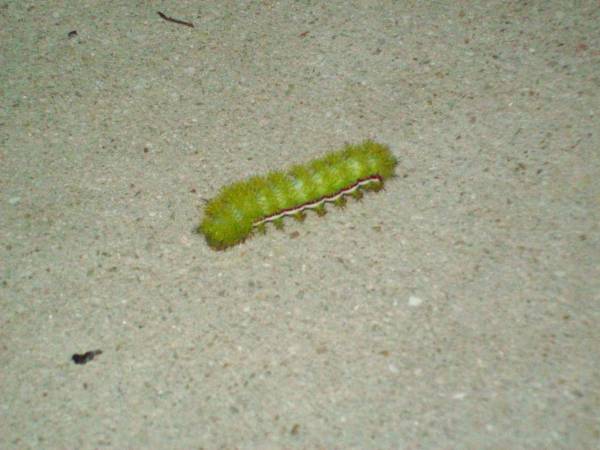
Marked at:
<point>340,202</point>
<point>320,210</point>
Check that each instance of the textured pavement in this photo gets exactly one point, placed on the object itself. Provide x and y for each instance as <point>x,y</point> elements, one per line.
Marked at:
<point>458,308</point>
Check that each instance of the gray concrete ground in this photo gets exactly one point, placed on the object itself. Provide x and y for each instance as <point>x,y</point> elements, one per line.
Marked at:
<point>459,308</point>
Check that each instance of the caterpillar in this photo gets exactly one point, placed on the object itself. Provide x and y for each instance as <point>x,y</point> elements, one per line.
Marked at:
<point>246,206</point>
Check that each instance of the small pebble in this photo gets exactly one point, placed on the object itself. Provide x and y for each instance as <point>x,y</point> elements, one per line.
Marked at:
<point>414,301</point>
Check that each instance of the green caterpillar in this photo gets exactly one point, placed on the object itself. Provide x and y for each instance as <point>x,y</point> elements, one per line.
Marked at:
<point>248,205</point>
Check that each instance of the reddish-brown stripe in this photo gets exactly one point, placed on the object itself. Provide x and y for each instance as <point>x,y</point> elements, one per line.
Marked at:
<point>323,199</point>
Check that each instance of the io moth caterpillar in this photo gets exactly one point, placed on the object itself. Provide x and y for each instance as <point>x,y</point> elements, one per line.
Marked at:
<point>245,206</point>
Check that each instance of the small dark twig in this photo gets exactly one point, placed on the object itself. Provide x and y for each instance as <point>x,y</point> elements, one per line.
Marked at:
<point>177,21</point>
<point>85,357</point>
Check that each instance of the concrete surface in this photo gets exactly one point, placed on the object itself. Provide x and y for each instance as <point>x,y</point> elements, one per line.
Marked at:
<point>459,308</point>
